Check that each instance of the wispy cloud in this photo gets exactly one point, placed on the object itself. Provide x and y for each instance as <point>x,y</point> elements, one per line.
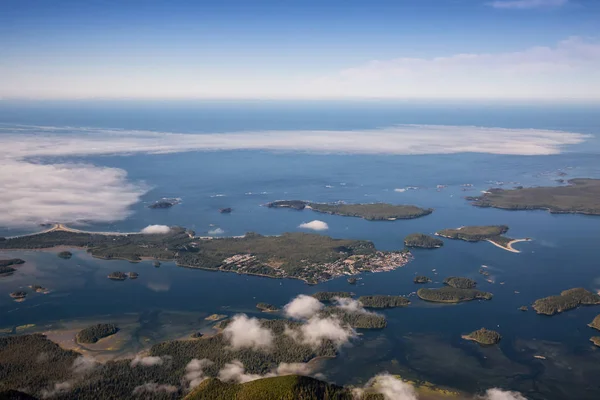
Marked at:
<point>525,4</point>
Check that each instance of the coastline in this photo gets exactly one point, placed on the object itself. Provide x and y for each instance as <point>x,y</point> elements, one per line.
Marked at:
<point>508,246</point>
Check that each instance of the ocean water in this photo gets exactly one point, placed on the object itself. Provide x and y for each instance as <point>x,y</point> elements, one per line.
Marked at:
<point>421,341</point>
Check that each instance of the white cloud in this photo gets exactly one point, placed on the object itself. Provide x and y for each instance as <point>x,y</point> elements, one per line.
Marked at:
<point>194,371</point>
<point>149,361</point>
<point>304,369</point>
<point>315,225</point>
<point>499,394</point>
<point>390,387</point>
<point>244,332</point>
<point>235,371</point>
<point>35,192</point>
<point>84,364</point>
<point>525,4</point>
<point>216,231</point>
<point>303,307</point>
<point>351,305</point>
<point>58,389</point>
<point>156,230</point>
<point>316,330</point>
<point>400,190</point>
<point>152,387</point>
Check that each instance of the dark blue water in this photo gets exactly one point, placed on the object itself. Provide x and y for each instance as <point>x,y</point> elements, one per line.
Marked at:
<point>422,340</point>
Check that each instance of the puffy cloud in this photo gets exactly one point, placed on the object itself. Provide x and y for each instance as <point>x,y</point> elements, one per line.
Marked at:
<point>244,332</point>
<point>152,387</point>
<point>194,371</point>
<point>84,364</point>
<point>58,389</point>
<point>156,230</point>
<point>315,225</point>
<point>293,369</point>
<point>499,394</point>
<point>235,371</point>
<point>391,388</point>
<point>524,4</point>
<point>303,307</point>
<point>350,305</point>
<point>316,330</point>
<point>149,361</point>
<point>216,231</point>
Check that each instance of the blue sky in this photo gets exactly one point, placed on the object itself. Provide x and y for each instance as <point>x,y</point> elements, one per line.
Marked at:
<point>503,49</point>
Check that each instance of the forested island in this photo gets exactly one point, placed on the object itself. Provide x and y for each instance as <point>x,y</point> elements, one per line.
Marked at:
<point>490,233</point>
<point>266,307</point>
<point>423,241</point>
<point>133,275</point>
<point>93,333</point>
<point>460,283</point>
<point>450,294</point>
<point>117,276</point>
<point>312,258</point>
<point>65,255</point>
<point>164,203</point>
<point>421,279</point>
<point>567,300</point>
<point>371,212</point>
<point>18,295</point>
<point>38,289</point>
<point>484,336</point>
<point>383,301</point>
<point>330,296</point>
<point>581,196</point>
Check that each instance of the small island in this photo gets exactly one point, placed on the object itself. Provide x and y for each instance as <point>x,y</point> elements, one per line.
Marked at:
<point>18,295</point>
<point>581,196</point>
<point>133,275</point>
<point>38,289</point>
<point>449,294</point>
<point>460,283</point>
<point>595,323</point>
<point>523,308</point>
<point>567,300</point>
<point>383,301</point>
<point>156,263</point>
<point>93,333</point>
<point>215,317</point>
<point>266,307</point>
<point>330,296</point>
<point>595,340</point>
<point>164,203</point>
<point>117,276</point>
<point>226,210</point>
<point>65,255</point>
<point>422,241</point>
<point>352,280</point>
<point>421,279</point>
<point>483,336</point>
<point>371,212</point>
<point>490,233</point>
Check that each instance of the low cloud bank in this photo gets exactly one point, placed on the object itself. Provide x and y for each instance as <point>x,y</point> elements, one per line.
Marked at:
<point>156,230</point>
<point>58,389</point>
<point>315,225</point>
<point>303,307</point>
<point>236,372</point>
<point>244,332</point>
<point>84,364</point>
<point>350,305</point>
<point>499,394</point>
<point>194,371</point>
<point>152,387</point>
<point>149,361</point>
<point>317,330</point>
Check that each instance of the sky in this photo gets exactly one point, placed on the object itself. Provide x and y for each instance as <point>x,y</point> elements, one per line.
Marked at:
<point>309,49</point>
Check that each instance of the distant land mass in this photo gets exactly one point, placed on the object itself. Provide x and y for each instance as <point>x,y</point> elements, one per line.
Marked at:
<point>310,257</point>
<point>371,212</point>
<point>582,196</point>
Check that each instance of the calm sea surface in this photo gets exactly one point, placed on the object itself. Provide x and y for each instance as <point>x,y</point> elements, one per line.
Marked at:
<point>422,340</point>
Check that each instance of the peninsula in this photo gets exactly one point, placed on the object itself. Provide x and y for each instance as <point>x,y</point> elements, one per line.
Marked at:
<point>371,212</point>
<point>450,294</point>
<point>312,258</point>
<point>483,336</point>
<point>581,196</point>
<point>490,233</point>
<point>567,300</point>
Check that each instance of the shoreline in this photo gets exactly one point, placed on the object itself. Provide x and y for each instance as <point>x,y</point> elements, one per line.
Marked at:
<point>508,246</point>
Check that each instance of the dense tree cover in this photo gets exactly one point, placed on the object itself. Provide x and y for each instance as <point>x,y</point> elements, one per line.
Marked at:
<point>595,323</point>
<point>11,261</point>
<point>460,282</point>
<point>567,300</point>
<point>421,279</point>
<point>266,307</point>
<point>15,395</point>
<point>423,241</point>
<point>373,212</point>
<point>6,270</point>
<point>65,255</point>
<point>33,362</point>
<point>93,333</point>
<point>474,233</point>
<point>581,196</point>
<point>484,336</point>
<point>356,319</point>
<point>290,387</point>
<point>450,294</point>
<point>383,301</point>
<point>117,276</point>
<point>329,296</point>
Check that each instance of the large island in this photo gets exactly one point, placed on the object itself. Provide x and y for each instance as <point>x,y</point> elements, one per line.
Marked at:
<point>310,257</point>
<point>567,300</point>
<point>581,196</point>
<point>489,233</point>
<point>450,294</point>
<point>372,212</point>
